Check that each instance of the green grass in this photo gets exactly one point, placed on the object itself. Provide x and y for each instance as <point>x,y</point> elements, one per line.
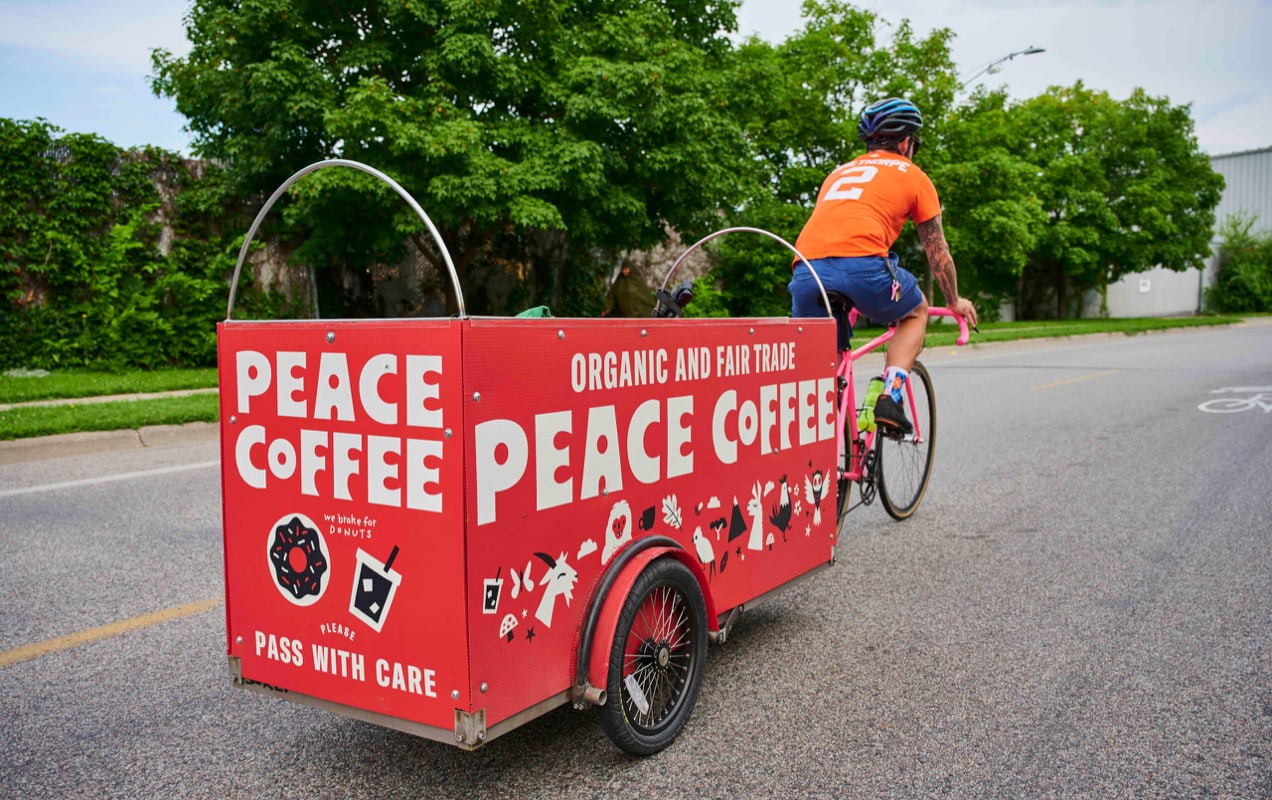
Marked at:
<point>1011,331</point>
<point>29,421</point>
<point>86,383</point>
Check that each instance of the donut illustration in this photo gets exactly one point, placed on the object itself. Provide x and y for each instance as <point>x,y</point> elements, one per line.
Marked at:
<point>298,556</point>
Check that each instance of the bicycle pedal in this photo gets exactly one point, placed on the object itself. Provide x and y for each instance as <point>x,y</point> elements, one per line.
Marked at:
<point>893,434</point>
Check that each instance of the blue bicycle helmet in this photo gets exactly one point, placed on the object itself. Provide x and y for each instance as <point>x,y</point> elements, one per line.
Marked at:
<point>894,118</point>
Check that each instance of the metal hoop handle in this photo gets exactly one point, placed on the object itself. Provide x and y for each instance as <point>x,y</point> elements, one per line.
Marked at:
<point>771,235</point>
<point>340,162</point>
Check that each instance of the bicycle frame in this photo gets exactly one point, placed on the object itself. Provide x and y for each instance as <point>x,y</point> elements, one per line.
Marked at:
<point>853,467</point>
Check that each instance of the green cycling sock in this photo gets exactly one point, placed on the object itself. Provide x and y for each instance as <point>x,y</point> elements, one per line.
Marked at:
<point>865,417</point>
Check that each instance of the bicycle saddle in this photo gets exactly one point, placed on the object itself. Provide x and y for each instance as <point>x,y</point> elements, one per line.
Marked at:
<point>840,306</point>
<point>838,301</point>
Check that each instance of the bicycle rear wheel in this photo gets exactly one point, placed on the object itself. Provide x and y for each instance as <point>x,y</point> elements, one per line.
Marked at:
<point>904,462</point>
<point>845,493</point>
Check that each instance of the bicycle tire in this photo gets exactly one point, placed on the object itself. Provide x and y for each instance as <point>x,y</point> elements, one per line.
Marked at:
<point>904,462</point>
<point>659,654</point>
<point>845,490</point>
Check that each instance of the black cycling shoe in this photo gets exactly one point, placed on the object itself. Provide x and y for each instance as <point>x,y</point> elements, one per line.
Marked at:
<point>891,416</point>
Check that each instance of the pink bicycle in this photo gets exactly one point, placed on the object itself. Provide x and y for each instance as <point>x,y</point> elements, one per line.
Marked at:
<point>893,466</point>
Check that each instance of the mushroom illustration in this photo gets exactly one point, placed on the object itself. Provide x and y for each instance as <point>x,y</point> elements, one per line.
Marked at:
<point>505,627</point>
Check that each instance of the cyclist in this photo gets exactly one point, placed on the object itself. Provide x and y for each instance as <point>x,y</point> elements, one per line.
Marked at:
<point>848,239</point>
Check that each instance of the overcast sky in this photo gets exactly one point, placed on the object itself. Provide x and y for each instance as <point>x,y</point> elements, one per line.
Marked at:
<point>83,64</point>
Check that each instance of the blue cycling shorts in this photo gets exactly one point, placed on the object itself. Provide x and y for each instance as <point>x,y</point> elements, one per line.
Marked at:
<point>864,280</point>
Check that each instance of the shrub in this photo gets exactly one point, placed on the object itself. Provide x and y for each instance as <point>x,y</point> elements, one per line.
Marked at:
<point>1244,280</point>
<point>83,278</point>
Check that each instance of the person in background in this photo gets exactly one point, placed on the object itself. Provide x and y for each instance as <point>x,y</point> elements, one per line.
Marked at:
<point>629,296</point>
<point>860,210</point>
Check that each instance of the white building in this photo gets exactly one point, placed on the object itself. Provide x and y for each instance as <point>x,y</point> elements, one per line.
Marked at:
<point>1161,292</point>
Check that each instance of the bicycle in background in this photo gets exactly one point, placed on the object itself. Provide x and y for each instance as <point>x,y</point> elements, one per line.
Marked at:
<point>890,465</point>
<point>893,465</point>
<point>1260,397</point>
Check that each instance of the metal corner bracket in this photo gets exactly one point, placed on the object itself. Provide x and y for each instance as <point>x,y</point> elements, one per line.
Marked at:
<point>470,729</point>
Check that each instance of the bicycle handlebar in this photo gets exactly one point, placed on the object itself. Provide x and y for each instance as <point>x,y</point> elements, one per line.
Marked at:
<point>933,311</point>
<point>963,334</point>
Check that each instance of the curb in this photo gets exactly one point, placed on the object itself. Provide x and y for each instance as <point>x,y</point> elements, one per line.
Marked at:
<point>106,398</point>
<point>43,448</point>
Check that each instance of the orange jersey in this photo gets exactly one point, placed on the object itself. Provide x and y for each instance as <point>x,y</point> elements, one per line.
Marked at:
<point>863,204</point>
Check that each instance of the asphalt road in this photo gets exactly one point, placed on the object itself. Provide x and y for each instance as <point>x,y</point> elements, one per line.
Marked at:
<point>1082,608</point>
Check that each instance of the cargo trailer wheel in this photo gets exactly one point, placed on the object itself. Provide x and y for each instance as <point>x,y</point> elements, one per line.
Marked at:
<point>656,660</point>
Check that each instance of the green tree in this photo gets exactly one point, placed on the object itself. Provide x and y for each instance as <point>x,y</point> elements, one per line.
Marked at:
<point>1124,188</point>
<point>540,137</point>
<point>991,211</point>
<point>799,102</point>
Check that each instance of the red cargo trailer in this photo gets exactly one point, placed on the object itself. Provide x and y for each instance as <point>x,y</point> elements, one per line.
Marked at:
<point>452,526</point>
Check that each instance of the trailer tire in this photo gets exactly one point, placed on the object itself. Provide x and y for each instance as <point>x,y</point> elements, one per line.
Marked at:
<point>656,660</point>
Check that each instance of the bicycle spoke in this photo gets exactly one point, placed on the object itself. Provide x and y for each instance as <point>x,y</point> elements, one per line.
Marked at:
<point>658,657</point>
<point>904,462</point>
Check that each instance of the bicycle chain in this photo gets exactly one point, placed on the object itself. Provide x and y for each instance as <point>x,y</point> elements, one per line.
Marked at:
<point>868,488</point>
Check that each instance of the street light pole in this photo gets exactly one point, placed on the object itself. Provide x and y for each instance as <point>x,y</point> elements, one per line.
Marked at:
<point>992,67</point>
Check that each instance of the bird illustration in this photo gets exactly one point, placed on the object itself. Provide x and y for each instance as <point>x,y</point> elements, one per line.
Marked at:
<point>706,554</point>
<point>781,516</point>
<point>813,488</point>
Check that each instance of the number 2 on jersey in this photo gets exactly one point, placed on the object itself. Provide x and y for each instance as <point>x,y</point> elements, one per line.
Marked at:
<point>843,189</point>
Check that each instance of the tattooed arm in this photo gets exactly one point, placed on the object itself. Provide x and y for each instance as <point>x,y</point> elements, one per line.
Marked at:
<point>942,263</point>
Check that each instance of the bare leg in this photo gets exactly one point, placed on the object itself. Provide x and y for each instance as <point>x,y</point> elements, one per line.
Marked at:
<point>908,340</point>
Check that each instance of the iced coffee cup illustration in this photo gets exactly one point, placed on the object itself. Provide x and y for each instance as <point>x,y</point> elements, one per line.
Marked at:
<point>373,588</point>
<point>493,589</point>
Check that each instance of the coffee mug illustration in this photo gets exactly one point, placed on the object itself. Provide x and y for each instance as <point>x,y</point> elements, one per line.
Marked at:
<point>373,588</point>
<point>646,519</point>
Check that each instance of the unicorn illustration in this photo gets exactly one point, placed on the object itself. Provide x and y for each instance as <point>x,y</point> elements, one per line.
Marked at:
<point>559,580</point>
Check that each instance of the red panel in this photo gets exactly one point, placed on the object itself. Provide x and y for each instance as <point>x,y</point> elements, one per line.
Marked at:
<point>581,434</point>
<point>344,551</point>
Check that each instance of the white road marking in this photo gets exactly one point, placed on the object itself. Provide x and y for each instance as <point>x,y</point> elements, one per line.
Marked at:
<point>123,476</point>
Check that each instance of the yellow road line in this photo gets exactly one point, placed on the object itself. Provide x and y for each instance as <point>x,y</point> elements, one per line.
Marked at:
<point>1067,381</point>
<point>19,654</point>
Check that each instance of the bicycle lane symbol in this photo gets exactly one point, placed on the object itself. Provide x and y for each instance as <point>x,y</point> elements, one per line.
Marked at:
<point>1259,397</point>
